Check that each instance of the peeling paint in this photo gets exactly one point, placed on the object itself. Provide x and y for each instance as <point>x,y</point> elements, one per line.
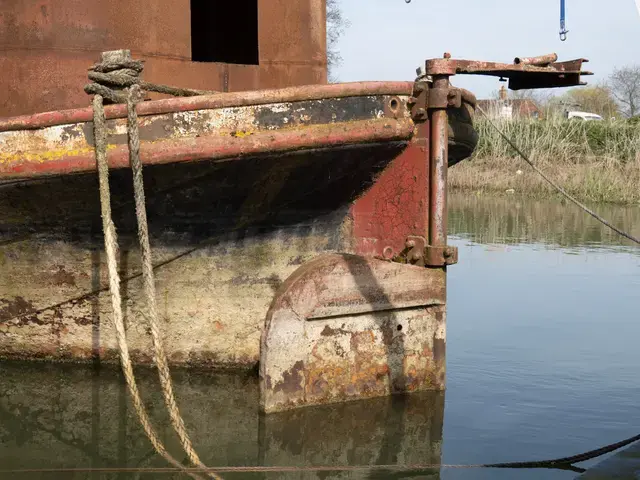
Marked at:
<point>355,349</point>
<point>49,146</point>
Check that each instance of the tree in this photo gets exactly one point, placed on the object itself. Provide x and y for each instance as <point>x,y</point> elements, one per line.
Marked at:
<point>625,84</point>
<point>595,99</point>
<point>336,25</point>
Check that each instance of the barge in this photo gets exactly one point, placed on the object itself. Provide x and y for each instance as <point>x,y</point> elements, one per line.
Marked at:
<point>299,230</point>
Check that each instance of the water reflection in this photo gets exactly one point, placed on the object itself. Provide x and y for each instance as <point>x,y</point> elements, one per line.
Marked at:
<point>553,222</point>
<point>74,416</point>
<point>541,362</point>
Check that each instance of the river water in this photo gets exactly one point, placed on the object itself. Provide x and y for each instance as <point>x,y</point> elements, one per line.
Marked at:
<point>542,362</point>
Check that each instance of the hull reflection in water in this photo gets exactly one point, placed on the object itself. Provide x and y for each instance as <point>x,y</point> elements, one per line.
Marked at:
<point>54,416</point>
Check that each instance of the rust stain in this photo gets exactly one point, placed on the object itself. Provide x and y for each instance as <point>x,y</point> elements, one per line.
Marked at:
<point>327,331</point>
<point>360,340</point>
<point>62,277</point>
<point>292,380</point>
<point>439,350</point>
<point>20,309</point>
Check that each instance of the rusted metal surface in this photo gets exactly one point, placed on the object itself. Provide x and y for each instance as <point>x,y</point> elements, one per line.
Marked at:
<point>438,169</point>
<point>417,252</point>
<point>521,75</point>
<point>396,204</point>
<point>542,60</point>
<point>206,102</point>
<point>440,256</point>
<point>47,45</point>
<point>419,101</point>
<point>212,134</point>
<point>344,327</point>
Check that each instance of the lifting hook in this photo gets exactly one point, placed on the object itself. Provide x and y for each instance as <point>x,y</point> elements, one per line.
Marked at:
<point>563,29</point>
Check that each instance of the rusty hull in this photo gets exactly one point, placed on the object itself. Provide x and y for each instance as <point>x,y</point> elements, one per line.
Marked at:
<point>289,205</point>
<point>225,235</point>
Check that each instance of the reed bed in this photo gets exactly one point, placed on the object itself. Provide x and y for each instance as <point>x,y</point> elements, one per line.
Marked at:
<point>594,161</point>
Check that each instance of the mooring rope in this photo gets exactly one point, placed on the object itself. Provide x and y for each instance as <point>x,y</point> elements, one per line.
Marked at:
<point>111,246</point>
<point>132,96</point>
<point>110,74</point>
<point>148,278</point>
<point>555,185</point>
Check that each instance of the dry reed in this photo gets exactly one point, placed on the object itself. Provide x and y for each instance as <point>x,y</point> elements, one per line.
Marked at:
<point>594,161</point>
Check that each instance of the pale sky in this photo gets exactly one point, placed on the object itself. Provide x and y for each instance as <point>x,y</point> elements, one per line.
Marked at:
<point>388,39</point>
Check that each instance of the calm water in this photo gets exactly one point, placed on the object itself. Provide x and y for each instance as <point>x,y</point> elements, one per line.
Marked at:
<point>542,358</point>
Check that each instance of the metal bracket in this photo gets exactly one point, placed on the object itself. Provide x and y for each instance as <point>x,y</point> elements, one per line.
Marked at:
<point>419,101</point>
<point>445,97</point>
<point>418,253</point>
<point>440,256</point>
<point>425,98</point>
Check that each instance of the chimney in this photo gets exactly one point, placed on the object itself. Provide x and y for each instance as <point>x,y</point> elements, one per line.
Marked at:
<point>503,93</point>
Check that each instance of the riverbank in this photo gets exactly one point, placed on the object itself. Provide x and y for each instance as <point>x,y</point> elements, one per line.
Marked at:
<point>594,161</point>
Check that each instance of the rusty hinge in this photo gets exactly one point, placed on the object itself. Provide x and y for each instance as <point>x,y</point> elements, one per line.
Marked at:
<point>418,253</point>
<point>445,97</point>
<point>425,97</point>
<point>419,101</point>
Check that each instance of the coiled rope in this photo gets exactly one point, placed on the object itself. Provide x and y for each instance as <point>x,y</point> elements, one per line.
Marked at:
<point>116,66</point>
<point>555,185</point>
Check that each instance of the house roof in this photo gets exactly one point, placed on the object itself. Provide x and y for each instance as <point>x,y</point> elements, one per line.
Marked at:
<point>521,106</point>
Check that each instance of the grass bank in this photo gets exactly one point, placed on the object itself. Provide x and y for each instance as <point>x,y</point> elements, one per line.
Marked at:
<point>594,161</point>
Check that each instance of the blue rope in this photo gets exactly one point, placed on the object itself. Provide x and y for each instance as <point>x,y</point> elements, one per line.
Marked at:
<point>563,29</point>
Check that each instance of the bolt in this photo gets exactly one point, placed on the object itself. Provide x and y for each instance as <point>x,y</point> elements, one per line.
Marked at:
<point>410,243</point>
<point>447,55</point>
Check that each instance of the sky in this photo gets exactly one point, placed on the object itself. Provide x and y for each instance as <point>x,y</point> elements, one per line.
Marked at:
<point>389,39</point>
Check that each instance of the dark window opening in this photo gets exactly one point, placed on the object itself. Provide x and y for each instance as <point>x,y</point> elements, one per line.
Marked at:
<point>224,31</point>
